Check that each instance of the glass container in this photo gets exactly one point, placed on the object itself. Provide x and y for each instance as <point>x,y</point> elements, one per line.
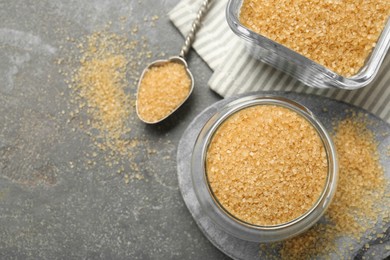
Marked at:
<point>243,230</point>
<point>300,67</point>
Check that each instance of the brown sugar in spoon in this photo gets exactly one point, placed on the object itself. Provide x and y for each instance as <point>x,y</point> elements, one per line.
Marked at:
<point>166,84</point>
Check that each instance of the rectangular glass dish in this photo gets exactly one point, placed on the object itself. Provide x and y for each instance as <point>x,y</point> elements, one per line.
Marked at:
<point>306,70</point>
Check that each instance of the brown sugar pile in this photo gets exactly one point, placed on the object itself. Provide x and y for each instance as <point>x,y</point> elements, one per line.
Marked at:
<point>102,70</point>
<point>361,203</point>
<point>336,34</point>
<point>100,81</point>
<point>163,88</point>
<point>266,165</point>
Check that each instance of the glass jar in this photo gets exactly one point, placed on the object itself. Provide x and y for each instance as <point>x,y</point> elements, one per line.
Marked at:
<point>304,69</point>
<point>236,227</point>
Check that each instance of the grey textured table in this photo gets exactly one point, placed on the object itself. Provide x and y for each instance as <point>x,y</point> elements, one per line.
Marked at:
<point>51,205</point>
<point>50,209</point>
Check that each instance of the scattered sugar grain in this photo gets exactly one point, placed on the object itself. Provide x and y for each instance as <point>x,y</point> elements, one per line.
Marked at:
<point>100,82</point>
<point>101,89</point>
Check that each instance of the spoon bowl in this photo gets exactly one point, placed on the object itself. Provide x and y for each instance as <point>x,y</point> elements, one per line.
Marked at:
<point>157,63</point>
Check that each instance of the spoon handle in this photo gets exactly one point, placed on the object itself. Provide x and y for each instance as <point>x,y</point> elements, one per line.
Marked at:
<point>195,26</point>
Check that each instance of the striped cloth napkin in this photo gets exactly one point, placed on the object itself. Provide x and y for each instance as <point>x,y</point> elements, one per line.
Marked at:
<point>236,72</point>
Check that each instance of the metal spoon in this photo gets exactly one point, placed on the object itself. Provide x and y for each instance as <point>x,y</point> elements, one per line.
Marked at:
<point>178,59</point>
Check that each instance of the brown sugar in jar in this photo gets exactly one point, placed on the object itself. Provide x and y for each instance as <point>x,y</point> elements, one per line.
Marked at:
<point>266,165</point>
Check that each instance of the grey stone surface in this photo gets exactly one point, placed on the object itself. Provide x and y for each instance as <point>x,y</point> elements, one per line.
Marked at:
<point>50,209</point>
<point>327,111</point>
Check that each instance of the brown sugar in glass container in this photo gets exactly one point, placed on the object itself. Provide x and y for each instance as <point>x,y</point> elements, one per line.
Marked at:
<point>270,190</point>
<point>304,68</point>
